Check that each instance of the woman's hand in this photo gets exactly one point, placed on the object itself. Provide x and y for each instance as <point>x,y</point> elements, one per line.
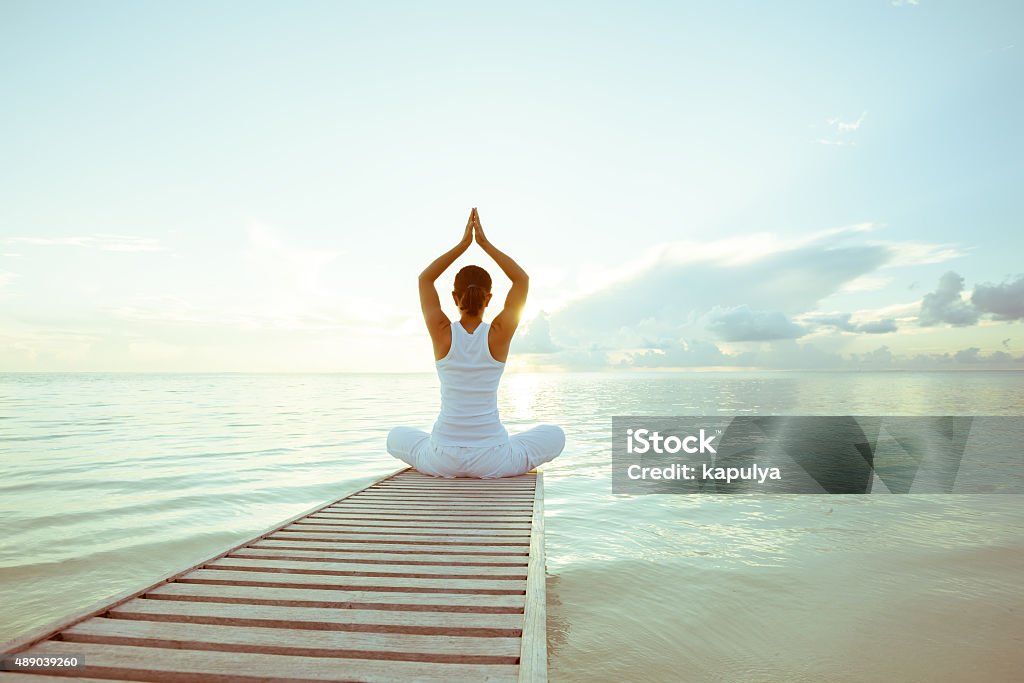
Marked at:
<point>467,236</point>
<point>478,230</point>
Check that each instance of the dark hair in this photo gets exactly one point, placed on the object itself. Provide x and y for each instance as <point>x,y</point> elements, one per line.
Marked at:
<point>472,285</point>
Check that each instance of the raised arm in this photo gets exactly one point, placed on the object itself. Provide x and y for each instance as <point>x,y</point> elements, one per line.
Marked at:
<point>506,322</point>
<point>437,322</point>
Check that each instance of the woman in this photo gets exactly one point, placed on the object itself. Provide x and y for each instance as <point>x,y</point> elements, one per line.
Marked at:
<point>468,439</point>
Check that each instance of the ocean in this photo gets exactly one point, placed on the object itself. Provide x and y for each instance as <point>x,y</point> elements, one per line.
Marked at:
<point>110,480</point>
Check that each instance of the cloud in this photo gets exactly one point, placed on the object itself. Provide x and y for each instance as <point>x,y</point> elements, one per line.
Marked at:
<point>103,242</point>
<point>278,287</point>
<point>841,130</point>
<point>964,359</point>
<point>536,338</point>
<point>945,304</point>
<point>753,301</point>
<point>919,254</point>
<point>790,354</point>
<point>847,127</point>
<point>1003,302</point>
<point>671,294</point>
<point>878,327</point>
<point>743,302</point>
<point>741,324</point>
<point>683,354</point>
<point>971,355</point>
<point>843,321</point>
<point>866,283</point>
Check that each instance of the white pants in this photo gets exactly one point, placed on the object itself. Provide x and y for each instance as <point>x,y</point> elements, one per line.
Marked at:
<point>522,453</point>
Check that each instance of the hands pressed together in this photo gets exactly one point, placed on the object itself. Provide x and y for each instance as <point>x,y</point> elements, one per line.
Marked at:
<point>474,230</point>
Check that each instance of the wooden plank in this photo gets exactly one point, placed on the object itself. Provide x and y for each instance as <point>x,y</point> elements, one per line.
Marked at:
<point>402,478</point>
<point>340,599</point>
<point>467,495</point>
<point>420,520</point>
<point>302,642</point>
<point>364,583</point>
<point>261,550</point>
<point>406,539</point>
<point>485,487</point>
<point>440,505</point>
<point>344,546</point>
<point>35,635</point>
<point>411,474</point>
<point>14,677</point>
<point>491,485</point>
<point>321,618</point>
<point>170,665</point>
<point>319,566</point>
<point>533,661</point>
<point>406,494</point>
<point>458,514</point>
<point>453,499</point>
<point>392,508</point>
<point>464,505</point>
<point>408,529</point>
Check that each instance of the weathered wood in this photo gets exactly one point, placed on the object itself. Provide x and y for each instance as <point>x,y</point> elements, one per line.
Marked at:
<point>187,666</point>
<point>433,514</point>
<point>320,566</point>
<point>48,630</point>
<point>304,642</point>
<point>465,506</point>
<point>274,616</point>
<point>405,539</point>
<point>14,677</point>
<point>533,662</point>
<point>489,522</point>
<point>340,599</point>
<point>255,577</point>
<point>410,578</point>
<point>335,545</point>
<point>409,528</point>
<point>263,550</point>
<point>481,497</point>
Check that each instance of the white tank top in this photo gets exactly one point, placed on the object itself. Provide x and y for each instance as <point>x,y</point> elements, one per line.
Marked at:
<point>469,392</point>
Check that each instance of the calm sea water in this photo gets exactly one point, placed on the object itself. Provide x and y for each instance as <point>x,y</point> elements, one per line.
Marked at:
<point>109,480</point>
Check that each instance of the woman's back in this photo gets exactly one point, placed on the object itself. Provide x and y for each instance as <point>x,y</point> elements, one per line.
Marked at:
<point>468,439</point>
<point>469,377</point>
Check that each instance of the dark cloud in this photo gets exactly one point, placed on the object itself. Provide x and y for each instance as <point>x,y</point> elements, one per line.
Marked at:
<point>945,305</point>
<point>1004,302</point>
<point>742,324</point>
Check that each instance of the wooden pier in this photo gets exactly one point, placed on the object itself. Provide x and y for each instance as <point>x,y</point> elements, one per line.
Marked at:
<point>412,578</point>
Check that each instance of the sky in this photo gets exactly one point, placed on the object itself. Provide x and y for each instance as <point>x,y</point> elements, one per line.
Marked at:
<point>254,186</point>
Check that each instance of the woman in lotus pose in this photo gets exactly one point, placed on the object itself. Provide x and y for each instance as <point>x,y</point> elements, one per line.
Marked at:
<point>468,439</point>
